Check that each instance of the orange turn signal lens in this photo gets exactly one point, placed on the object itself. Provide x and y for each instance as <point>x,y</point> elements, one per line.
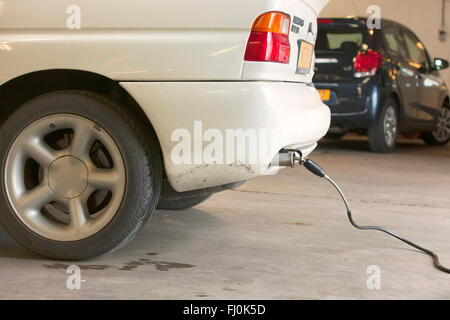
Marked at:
<point>275,22</point>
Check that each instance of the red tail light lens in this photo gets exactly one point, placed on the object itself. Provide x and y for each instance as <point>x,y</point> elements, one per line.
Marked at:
<point>324,21</point>
<point>269,38</point>
<point>367,63</point>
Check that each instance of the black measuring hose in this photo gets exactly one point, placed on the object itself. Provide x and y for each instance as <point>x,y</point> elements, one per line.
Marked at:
<point>318,171</point>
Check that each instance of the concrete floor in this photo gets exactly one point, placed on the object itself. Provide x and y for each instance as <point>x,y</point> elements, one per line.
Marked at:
<point>278,237</point>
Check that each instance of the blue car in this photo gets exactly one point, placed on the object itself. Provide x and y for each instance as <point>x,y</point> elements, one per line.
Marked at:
<point>380,82</point>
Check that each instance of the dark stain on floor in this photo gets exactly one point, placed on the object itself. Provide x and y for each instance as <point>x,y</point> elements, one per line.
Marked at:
<point>300,224</point>
<point>159,265</point>
<point>129,266</point>
<point>84,267</point>
<point>166,266</point>
<point>152,253</point>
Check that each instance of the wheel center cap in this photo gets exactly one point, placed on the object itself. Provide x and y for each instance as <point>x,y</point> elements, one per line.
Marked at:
<point>68,177</point>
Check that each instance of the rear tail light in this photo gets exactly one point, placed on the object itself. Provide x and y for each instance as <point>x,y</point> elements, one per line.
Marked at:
<point>324,21</point>
<point>367,63</point>
<point>269,38</point>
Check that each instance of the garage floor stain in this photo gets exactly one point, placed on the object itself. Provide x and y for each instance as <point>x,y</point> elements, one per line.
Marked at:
<point>84,267</point>
<point>129,266</point>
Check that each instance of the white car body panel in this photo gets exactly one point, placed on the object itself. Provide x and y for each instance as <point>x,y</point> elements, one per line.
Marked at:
<point>127,39</point>
<point>181,61</point>
<point>224,105</point>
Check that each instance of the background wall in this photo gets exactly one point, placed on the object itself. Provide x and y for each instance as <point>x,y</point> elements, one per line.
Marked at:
<point>421,16</point>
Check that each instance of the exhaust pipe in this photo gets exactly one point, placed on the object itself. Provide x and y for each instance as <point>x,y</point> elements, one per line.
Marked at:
<point>287,158</point>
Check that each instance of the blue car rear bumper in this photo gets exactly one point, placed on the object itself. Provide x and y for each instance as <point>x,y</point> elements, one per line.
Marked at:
<point>354,104</point>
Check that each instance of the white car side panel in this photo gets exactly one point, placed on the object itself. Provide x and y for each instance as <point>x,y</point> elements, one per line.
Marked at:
<point>144,40</point>
<point>293,110</point>
<point>138,40</point>
<point>126,55</point>
<point>135,14</point>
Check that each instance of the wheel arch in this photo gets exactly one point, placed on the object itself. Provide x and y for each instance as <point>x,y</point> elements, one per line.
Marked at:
<point>25,87</point>
<point>396,98</point>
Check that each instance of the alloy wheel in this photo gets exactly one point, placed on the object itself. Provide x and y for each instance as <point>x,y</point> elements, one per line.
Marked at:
<point>64,177</point>
<point>390,126</point>
<point>442,130</point>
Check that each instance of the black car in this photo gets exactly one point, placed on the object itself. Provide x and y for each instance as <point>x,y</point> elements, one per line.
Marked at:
<point>380,82</point>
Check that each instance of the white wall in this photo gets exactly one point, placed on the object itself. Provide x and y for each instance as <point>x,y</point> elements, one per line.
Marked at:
<point>421,16</point>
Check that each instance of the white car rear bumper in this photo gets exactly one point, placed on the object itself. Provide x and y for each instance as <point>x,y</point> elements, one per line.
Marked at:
<point>291,112</point>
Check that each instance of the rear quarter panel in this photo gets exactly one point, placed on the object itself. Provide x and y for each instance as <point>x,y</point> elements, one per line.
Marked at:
<point>129,39</point>
<point>144,40</point>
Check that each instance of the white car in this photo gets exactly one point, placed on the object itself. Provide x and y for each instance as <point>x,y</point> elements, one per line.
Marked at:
<point>108,107</point>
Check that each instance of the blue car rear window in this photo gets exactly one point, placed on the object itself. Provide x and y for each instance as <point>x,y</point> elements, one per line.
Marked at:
<point>340,38</point>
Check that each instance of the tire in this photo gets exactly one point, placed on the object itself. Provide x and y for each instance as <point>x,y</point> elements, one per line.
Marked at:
<point>182,204</point>
<point>440,135</point>
<point>383,134</point>
<point>87,196</point>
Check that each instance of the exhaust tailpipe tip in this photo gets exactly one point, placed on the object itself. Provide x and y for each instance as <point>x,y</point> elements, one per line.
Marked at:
<point>287,158</point>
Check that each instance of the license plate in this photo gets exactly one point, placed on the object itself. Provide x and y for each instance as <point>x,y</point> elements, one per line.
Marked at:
<point>305,53</point>
<point>325,94</point>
